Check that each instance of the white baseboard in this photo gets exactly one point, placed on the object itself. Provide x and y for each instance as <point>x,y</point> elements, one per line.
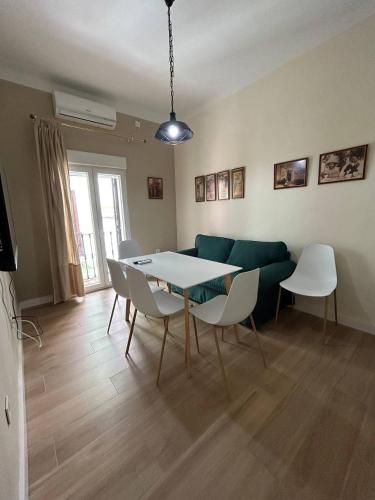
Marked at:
<point>342,319</point>
<point>38,301</point>
<point>23,459</point>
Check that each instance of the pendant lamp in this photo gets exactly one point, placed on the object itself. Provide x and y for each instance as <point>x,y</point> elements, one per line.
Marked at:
<point>173,131</point>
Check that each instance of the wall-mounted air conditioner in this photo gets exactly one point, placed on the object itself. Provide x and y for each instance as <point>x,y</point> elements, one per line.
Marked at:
<point>78,109</point>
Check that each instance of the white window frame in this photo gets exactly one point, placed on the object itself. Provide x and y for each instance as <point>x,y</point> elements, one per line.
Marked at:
<point>85,161</point>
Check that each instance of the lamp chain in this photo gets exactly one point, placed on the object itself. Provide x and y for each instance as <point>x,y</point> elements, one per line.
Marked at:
<point>171,57</point>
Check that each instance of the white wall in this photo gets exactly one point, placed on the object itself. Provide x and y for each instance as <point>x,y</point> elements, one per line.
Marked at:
<point>322,101</point>
<point>12,438</point>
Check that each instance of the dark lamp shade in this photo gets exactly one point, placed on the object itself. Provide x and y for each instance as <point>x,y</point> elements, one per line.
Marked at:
<point>173,131</point>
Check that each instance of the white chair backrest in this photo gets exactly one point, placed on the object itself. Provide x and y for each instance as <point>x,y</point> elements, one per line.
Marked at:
<point>128,249</point>
<point>119,281</point>
<point>140,293</point>
<point>317,263</point>
<point>242,297</point>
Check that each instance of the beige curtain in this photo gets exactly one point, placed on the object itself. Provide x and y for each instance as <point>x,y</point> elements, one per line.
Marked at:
<point>65,266</point>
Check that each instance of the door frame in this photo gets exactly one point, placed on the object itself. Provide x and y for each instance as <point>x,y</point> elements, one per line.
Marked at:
<point>92,163</point>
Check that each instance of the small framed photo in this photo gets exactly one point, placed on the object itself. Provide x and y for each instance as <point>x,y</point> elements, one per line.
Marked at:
<point>238,182</point>
<point>343,165</point>
<point>290,174</point>
<point>223,182</point>
<point>155,188</point>
<point>200,191</point>
<point>211,187</point>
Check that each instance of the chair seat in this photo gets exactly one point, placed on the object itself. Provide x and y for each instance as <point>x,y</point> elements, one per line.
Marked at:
<point>168,304</point>
<point>210,311</point>
<point>153,288</point>
<point>306,285</point>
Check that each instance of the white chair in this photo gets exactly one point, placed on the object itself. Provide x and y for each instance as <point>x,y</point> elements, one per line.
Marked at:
<point>128,249</point>
<point>157,305</point>
<point>120,286</point>
<point>228,310</point>
<point>314,276</point>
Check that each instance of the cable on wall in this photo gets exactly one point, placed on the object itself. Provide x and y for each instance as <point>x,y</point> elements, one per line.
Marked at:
<point>18,319</point>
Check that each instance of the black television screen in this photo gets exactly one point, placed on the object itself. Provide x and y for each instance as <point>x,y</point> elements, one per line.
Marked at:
<point>8,245</point>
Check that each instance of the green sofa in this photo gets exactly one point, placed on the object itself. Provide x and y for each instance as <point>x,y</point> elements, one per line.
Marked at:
<point>272,258</point>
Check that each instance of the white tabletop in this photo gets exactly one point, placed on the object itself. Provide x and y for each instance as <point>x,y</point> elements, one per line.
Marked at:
<point>181,270</point>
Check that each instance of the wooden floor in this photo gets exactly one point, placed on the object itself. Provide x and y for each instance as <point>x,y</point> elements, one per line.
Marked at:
<point>99,428</point>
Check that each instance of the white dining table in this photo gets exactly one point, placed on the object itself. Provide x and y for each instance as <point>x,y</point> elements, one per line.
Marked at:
<point>184,272</point>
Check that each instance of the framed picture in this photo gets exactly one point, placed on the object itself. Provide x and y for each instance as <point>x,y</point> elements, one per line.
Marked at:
<point>200,191</point>
<point>211,187</point>
<point>238,182</point>
<point>155,188</point>
<point>343,165</point>
<point>290,174</point>
<point>223,182</point>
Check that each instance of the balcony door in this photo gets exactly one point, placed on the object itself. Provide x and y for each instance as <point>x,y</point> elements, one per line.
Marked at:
<point>99,206</point>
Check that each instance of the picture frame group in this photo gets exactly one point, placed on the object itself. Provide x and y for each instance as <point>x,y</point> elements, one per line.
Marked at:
<point>222,185</point>
<point>342,165</point>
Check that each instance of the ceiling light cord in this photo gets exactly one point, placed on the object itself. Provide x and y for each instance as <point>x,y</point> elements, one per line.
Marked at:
<point>171,58</point>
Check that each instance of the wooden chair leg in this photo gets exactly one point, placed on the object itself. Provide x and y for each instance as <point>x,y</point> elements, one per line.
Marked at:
<point>278,305</point>
<point>258,340</point>
<point>325,320</point>
<point>196,333</point>
<point>131,332</point>
<point>221,364</point>
<point>127,310</point>
<point>113,310</point>
<point>166,321</point>
<point>335,300</point>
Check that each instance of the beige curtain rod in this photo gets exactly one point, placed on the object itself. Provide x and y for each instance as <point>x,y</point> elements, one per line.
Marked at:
<point>130,139</point>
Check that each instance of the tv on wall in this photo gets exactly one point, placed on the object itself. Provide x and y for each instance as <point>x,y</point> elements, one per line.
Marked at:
<point>8,245</point>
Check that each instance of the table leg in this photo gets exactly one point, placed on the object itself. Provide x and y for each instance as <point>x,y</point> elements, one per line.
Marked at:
<point>228,284</point>
<point>187,334</point>
<point>127,310</point>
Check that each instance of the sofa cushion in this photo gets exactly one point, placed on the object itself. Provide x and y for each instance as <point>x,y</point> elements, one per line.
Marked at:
<point>213,247</point>
<point>192,252</point>
<point>199,294</point>
<point>252,254</point>
<point>218,284</point>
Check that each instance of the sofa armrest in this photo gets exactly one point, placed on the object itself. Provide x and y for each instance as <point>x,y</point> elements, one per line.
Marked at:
<point>193,252</point>
<point>272,274</point>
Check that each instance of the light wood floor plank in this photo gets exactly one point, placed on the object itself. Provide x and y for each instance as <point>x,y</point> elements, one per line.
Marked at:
<point>99,428</point>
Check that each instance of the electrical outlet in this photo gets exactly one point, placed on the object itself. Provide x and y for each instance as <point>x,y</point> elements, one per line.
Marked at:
<point>157,250</point>
<point>7,410</point>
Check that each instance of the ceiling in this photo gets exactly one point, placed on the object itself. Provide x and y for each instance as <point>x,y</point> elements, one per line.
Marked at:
<point>117,50</point>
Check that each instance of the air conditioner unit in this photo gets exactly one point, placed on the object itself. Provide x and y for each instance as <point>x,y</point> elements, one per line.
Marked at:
<point>78,109</point>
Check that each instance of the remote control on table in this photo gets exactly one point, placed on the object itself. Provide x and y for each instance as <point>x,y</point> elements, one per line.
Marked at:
<point>143,261</point>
